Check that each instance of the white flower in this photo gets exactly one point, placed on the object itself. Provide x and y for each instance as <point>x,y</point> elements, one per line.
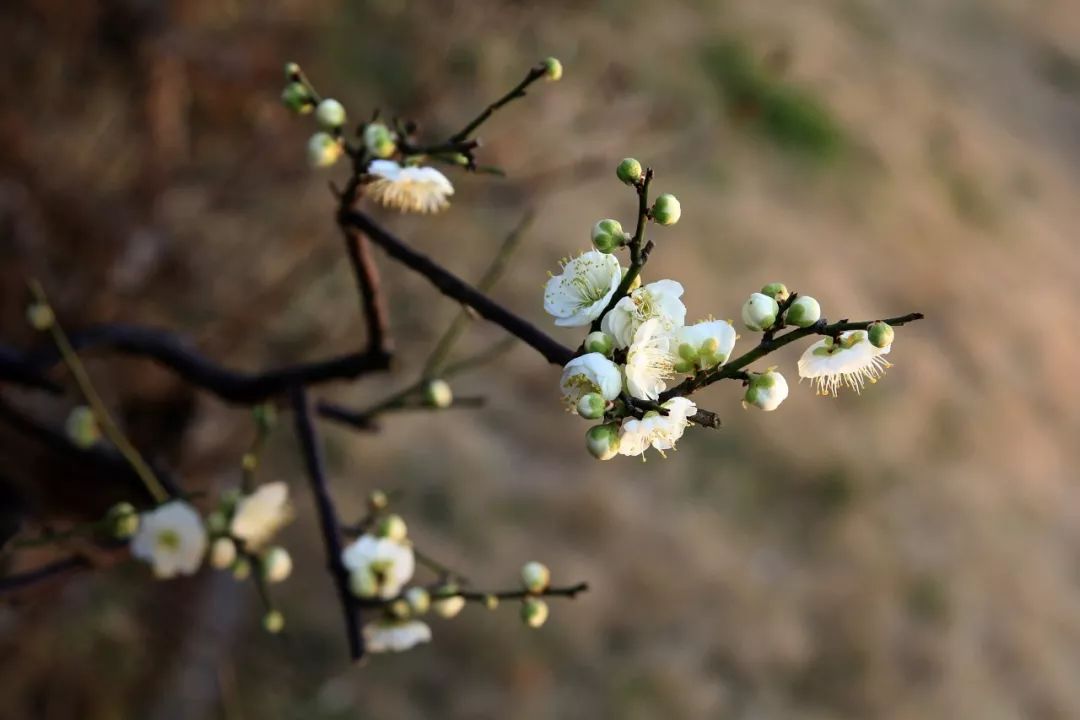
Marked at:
<point>389,562</point>
<point>853,361</point>
<point>766,390</point>
<point>395,635</point>
<point>590,373</point>
<point>759,312</point>
<point>659,300</point>
<point>650,362</point>
<point>171,538</point>
<point>705,344</point>
<point>408,189</point>
<point>656,430</point>
<point>261,514</point>
<point>580,293</point>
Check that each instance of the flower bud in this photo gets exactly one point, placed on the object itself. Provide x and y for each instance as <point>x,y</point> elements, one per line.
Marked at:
<point>330,114</point>
<point>591,406</point>
<point>216,522</point>
<point>40,316</point>
<point>437,394</point>
<point>629,171</point>
<point>666,210</point>
<point>448,607</point>
<point>222,553</point>
<point>377,500</point>
<point>880,334</point>
<point>323,150</point>
<point>491,602</point>
<point>363,583</point>
<point>600,342</point>
<point>249,462</point>
<point>534,612</point>
<point>82,427</point>
<point>379,140</point>
<point>292,71</point>
<point>400,609</point>
<point>273,622</point>
<point>608,235</point>
<point>392,527</point>
<point>122,520</point>
<point>241,569</point>
<point>552,69</point>
<point>276,564</point>
<point>535,576</point>
<point>804,312</point>
<point>777,291</point>
<point>419,600</point>
<point>296,97</point>
<point>603,441</point>
<point>766,390</point>
<point>759,312</point>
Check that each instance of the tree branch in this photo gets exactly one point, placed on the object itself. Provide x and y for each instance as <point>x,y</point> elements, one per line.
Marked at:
<point>15,368</point>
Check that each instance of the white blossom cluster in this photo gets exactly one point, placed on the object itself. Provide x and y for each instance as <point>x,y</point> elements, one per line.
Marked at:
<point>640,345</point>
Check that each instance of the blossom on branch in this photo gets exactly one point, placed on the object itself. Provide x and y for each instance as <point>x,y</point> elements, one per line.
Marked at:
<point>658,300</point>
<point>395,635</point>
<point>408,189</point>
<point>852,361</point>
<point>261,514</point>
<point>379,567</point>
<point>580,293</point>
<point>171,538</point>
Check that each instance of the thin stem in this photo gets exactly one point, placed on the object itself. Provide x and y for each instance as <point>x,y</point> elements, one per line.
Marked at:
<point>108,425</point>
<point>639,254</point>
<point>535,73</point>
<point>439,568</point>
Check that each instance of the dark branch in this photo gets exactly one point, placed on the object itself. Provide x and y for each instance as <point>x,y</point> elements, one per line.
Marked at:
<point>230,385</point>
<point>367,420</point>
<point>456,288</point>
<point>15,368</point>
<point>535,73</point>
<point>45,572</point>
<point>328,520</point>
<point>370,288</point>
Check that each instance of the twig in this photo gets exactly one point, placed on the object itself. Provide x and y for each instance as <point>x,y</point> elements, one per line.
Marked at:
<point>638,255</point>
<point>370,288</point>
<point>15,368</point>
<point>535,73</point>
<point>53,569</point>
<point>328,520</point>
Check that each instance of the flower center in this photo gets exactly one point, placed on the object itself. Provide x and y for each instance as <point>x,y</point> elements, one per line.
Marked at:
<point>168,540</point>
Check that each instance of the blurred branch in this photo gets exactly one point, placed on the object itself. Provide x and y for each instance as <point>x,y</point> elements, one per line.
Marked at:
<point>328,520</point>
<point>15,368</point>
<point>370,288</point>
<point>54,569</point>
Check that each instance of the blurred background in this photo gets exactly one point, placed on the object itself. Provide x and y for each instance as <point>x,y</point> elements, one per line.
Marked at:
<point>913,553</point>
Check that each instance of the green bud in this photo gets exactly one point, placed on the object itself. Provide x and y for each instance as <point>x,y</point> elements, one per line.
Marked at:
<point>379,140</point>
<point>688,353</point>
<point>534,612</point>
<point>296,97</point>
<point>82,427</point>
<point>276,564</point>
<point>40,316</point>
<point>363,583</point>
<point>292,71</point>
<point>437,394</point>
<point>400,609</point>
<point>392,527</point>
<point>330,114</point>
<point>608,235</point>
<point>880,334</point>
<point>419,600</point>
<point>323,150</point>
<point>759,312</point>
<point>273,622</point>
<point>591,406</point>
<point>491,602</point>
<point>228,499</point>
<point>683,367</point>
<point>122,520</point>
<point>766,390</point>
<point>600,342</point>
<point>603,441</point>
<point>777,291</point>
<point>377,500</point>
<point>222,553</point>
<point>804,312</point>
<point>216,523</point>
<point>535,577</point>
<point>629,171</point>
<point>552,69</point>
<point>241,569</point>
<point>249,462</point>
<point>666,210</point>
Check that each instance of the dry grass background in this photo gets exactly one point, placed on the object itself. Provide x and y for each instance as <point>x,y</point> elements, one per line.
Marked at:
<point>909,554</point>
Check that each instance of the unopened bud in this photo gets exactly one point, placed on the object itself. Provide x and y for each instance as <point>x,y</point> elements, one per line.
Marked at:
<point>40,316</point>
<point>249,462</point>
<point>392,527</point>
<point>377,500</point>
<point>400,609</point>
<point>880,334</point>
<point>419,600</point>
<point>379,140</point>
<point>591,406</point>
<point>448,607</point>
<point>667,210</point>
<point>241,569</point>
<point>437,394</point>
<point>600,342</point>
<point>222,553</point>
<point>608,235</point>
<point>276,564</point>
<point>330,114</point>
<point>491,602</point>
<point>759,312</point>
<point>323,150</point>
<point>363,583</point>
<point>274,622</point>
<point>629,171</point>
<point>216,522</point>
<point>804,312</point>
<point>603,441</point>
<point>82,427</point>
<point>552,69</point>
<point>766,390</point>
<point>296,97</point>
<point>535,576</point>
<point>122,520</point>
<point>534,612</point>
